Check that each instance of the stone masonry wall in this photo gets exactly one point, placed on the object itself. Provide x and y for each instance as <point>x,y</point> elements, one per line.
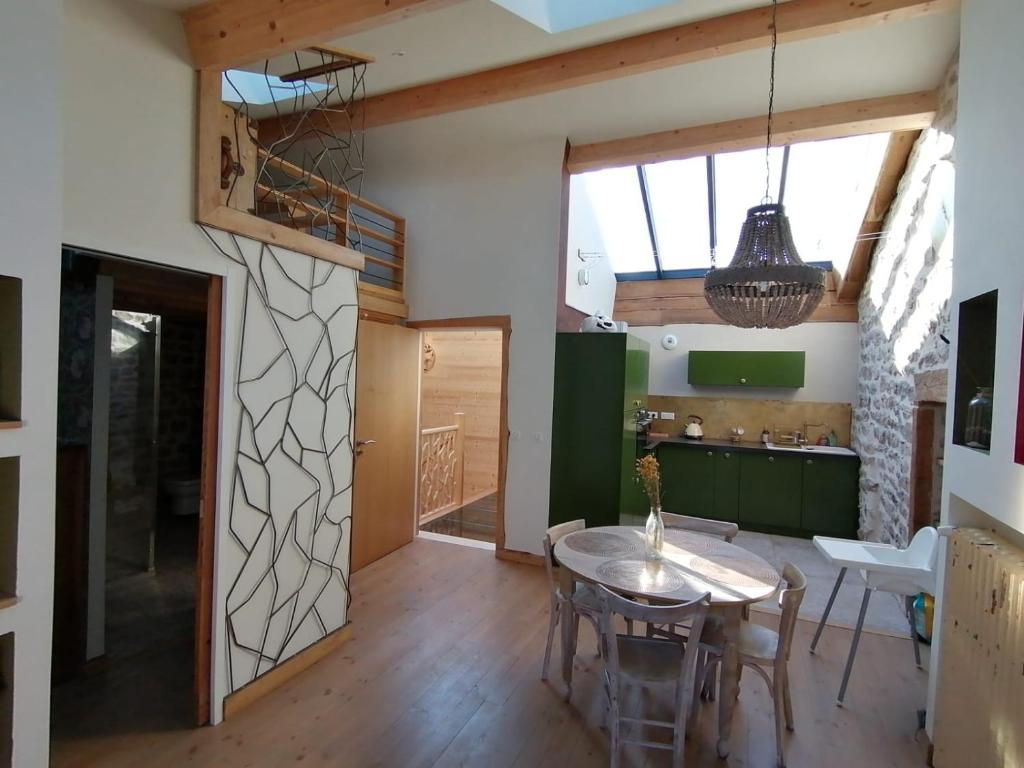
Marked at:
<point>904,308</point>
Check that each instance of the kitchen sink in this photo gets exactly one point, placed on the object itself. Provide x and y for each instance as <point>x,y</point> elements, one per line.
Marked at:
<point>830,449</point>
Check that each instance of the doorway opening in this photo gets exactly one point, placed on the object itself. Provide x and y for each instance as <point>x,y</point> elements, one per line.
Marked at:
<point>463,432</point>
<point>139,367</point>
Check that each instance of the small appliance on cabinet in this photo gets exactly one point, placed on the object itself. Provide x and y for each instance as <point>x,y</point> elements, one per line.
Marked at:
<point>598,427</point>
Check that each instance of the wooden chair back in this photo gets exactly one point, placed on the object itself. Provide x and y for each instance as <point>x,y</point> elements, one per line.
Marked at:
<point>551,537</point>
<point>789,601</point>
<point>727,531</point>
<point>692,613</point>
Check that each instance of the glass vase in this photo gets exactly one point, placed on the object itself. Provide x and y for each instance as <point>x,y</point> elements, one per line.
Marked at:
<point>978,430</point>
<point>654,534</point>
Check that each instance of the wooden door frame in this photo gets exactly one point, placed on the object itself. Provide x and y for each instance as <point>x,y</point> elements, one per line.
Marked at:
<point>208,500</point>
<point>502,323</point>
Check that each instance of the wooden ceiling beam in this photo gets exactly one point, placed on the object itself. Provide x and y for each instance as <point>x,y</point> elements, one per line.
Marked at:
<point>905,112</point>
<point>223,34</point>
<point>682,44</point>
<point>894,165</point>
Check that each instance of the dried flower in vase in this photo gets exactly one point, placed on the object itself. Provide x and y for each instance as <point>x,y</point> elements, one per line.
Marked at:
<point>649,472</point>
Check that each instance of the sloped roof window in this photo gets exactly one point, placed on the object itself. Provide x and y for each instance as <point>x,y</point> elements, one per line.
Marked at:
<point>663,219</point>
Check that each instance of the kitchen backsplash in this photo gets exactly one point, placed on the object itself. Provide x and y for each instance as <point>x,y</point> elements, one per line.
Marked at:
<point>722,414</point>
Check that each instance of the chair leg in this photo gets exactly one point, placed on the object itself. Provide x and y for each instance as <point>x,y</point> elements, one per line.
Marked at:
<point>828,608</point>
<point>552,623</point>
<point>698,686</point>
<point>778,699</point>
<point>614,726</point>
<point>683,698</point>
<point>853,646</point>
<point>787,700</point>
<point>912,618</point>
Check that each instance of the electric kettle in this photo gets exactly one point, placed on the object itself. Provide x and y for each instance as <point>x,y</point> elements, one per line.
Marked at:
<point>693,429</point>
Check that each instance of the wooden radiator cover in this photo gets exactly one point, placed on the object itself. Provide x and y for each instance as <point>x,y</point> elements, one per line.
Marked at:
<point>979,715</point>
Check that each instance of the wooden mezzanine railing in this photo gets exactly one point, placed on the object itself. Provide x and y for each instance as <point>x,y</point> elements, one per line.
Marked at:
<point>350,220</point>
<point>442,469</point>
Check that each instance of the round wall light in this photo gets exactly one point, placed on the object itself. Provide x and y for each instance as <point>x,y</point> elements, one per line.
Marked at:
<point>669,341</point>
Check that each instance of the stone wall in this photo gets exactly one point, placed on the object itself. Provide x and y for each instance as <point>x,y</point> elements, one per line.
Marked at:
<point>904,311</point>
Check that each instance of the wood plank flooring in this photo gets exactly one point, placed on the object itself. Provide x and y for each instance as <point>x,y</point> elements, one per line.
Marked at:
<point>443,670</point>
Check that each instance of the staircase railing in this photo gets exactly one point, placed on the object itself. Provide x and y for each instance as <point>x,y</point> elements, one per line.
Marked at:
<point>308,202</point>
<point>441,469</point>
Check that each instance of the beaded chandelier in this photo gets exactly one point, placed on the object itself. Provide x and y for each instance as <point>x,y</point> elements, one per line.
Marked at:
<point>766,285</point>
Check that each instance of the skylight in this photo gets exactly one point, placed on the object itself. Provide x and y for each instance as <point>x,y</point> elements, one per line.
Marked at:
<point>562,15</point>
<point>238,86</point>
<point>700,203</point>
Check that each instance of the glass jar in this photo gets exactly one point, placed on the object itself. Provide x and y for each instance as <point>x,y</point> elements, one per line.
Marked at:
<point>654,534</point>
<point>978,429</point>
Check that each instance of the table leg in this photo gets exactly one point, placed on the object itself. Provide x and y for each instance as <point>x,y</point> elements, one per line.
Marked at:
<point>729,687</point>
<point>566,585</point>
<point>828,608</point>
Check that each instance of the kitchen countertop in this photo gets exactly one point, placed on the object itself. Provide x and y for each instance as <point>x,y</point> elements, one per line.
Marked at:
<point>745,446</point>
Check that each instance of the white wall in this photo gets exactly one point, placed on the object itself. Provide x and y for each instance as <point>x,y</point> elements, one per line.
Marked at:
<point>482,239</point>
<point>129,108</point>
<point>585,235</point>
<point>989,198</point>
<point>981,489</point>
<point>831,364</point>
<point>30,213</point>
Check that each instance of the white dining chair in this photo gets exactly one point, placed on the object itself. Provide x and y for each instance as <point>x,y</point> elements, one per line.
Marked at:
<point>759,648</point>
<point>583,599</point>
<point>640,662</point>
<point>884,568</point>
<point>718,528</point>
<point>727,531</point>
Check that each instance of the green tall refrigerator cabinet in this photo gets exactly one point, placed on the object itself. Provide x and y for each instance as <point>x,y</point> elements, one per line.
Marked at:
<point>600,384</point>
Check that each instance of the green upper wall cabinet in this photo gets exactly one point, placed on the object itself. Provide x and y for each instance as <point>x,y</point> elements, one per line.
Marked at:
<point>600,381</point>
<point>746,369</point>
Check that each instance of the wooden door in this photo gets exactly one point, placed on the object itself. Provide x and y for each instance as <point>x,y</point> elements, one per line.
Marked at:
<point>387,392</point>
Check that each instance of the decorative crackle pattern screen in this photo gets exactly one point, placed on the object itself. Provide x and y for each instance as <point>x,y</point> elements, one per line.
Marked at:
<point>290,517</point>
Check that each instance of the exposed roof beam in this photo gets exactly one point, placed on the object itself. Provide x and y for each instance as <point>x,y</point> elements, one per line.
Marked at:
<point>909,111</point>
<point>894,165</point>
<point>696,41</point>
<point>229,33</point>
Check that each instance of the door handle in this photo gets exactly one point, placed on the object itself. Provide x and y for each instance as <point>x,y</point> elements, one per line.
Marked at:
<point>365,442</point>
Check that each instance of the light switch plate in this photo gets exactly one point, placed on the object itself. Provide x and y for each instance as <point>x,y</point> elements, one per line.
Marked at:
<point>668,416</point>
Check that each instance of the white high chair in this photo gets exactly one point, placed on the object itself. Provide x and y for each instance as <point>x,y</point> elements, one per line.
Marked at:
<point>884,568</point>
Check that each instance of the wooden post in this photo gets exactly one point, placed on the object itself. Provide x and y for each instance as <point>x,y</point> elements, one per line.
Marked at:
<point>460,454</point>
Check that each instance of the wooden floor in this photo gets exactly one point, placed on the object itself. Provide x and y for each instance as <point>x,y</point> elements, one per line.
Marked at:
<point>443,670</point>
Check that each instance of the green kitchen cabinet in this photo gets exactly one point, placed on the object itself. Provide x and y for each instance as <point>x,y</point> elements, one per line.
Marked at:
<point>687,480</point>
<point>600,383</point>
<point>830,496</point>
<point>727,486</point>
<point>770,490</point>
<point>746,369</point>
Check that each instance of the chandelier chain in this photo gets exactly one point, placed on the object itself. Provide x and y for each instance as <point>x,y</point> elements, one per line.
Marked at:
<point>771,104</point>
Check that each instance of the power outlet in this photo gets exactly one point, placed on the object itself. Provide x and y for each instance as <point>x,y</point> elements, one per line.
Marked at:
<point>668,416</point>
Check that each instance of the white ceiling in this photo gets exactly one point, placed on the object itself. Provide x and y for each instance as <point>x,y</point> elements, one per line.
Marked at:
<point>479,34</point>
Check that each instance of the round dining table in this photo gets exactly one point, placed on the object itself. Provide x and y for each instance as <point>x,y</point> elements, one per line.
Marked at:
<point>691,565</point>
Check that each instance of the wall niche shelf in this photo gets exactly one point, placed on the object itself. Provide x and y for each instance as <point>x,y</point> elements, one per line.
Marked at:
<point>8,531</point>
<point>10,350</point>
<point>975,369</point>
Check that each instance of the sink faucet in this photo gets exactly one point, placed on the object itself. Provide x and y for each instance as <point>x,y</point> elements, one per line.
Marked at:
<point>807,429</point>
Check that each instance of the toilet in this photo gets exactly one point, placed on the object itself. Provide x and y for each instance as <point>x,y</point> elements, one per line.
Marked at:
<point>183,493</point>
